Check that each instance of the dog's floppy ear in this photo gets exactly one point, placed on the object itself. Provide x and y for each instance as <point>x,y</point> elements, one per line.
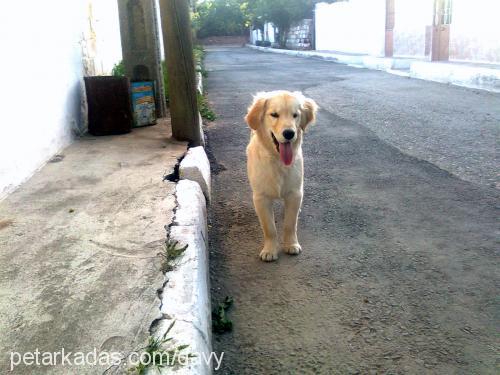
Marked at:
<point>309,109</point>
<point>255,112</point>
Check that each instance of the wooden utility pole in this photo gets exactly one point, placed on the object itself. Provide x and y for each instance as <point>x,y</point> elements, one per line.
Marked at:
<point>389,27</point>
<point>177,40</point>
<point>440,37</point>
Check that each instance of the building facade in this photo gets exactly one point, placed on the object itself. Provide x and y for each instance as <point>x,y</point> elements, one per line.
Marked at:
<point>47,49</point>
<point>435,30</point>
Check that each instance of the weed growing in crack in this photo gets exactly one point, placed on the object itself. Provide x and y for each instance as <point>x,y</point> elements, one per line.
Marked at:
<point>157,354</point>
<point>220,322</point>
<point>169,254</point>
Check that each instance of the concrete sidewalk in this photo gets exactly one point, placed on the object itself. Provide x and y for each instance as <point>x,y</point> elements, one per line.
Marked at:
<point>477,76</point>
<point>79,248</point>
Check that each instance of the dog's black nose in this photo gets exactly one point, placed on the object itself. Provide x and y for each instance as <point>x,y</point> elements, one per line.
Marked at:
<point>288,134</point>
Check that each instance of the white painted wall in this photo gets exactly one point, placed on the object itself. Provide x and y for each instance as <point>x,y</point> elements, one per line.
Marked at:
<point>256,35</point>
<point>411,19</point>
<point>475,31</point>
<point>160,30</point>
<point>107,30</point>
<point>355,26</point>
<point>269,33</point>
<point>41,90</point>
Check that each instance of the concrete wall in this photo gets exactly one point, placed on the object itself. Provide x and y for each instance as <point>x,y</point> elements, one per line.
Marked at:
<point>356,26</point>
<point>475,31</point>
<point>411,21</point>
<point>41,98</point>
<point>140,41</point>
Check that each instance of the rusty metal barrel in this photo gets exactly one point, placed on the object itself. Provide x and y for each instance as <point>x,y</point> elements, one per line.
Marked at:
<point>109,105</point>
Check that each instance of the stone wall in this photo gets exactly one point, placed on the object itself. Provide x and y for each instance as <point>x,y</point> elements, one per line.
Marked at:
<point>300,35</point>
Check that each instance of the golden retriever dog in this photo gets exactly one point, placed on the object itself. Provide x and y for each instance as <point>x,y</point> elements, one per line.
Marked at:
<point>275,165</point>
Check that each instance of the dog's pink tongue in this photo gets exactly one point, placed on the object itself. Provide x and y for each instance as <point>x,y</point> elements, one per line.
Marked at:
<point>286,153</point>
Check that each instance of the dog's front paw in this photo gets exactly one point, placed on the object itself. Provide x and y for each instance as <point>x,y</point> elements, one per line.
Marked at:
<point>268,255</point>
<point>292,249</point>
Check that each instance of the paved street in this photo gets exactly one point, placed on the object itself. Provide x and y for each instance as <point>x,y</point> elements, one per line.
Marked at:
<point>399,270</point>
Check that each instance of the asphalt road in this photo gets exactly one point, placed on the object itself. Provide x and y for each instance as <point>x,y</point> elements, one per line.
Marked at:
<point>399,269</point>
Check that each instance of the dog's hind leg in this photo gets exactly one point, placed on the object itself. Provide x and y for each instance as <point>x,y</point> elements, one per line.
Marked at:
<point>264,210</point>
<point>293,202</point>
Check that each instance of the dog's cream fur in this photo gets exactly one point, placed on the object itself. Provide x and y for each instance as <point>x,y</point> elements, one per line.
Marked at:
<point>270,179</point>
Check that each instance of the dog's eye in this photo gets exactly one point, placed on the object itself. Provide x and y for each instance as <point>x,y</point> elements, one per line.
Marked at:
<point>295,115</point>
<point>275,115</point>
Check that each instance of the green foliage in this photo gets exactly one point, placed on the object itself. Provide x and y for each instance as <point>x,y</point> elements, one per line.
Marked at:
<point>205,111</point>
<point>220,322</point>
<point>199,54</point>
<point>220,17</point>
<point>159,356</point>
<point>165,80</point>
<point>232,17</point>
<point>203,106</point>
<point>170,253</point>
<point>118,69</point>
